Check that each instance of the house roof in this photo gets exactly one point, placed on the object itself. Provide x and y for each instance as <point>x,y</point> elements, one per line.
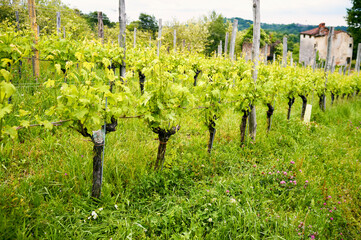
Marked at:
<point>320,31</point>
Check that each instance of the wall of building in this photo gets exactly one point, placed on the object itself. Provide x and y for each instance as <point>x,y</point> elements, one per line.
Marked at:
<point>247,51</point>
<point>342,45</point>
<point>307,45</point>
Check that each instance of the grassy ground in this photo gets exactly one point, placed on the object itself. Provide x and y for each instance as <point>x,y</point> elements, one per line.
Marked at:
<point>297,182</point>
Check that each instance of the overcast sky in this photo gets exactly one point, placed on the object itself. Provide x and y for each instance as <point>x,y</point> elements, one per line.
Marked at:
<point>311,12</point>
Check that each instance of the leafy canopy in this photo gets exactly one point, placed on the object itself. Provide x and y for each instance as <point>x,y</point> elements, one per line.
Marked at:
<point>353,19</point>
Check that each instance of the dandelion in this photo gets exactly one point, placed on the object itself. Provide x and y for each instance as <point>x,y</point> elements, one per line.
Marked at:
<point>210,219</point>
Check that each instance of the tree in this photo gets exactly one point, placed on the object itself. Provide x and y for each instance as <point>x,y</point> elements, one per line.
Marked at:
<point>92,19</point>
<point>216,32</point>
<point>148,23</point>
<point>248,37</point>
<point>353,19</point>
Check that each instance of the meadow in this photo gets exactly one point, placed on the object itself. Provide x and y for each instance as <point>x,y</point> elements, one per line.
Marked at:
<point>299,181</point>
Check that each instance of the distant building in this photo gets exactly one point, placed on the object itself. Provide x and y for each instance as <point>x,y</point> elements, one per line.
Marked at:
<point>247,51</point>
<point>316,38</point>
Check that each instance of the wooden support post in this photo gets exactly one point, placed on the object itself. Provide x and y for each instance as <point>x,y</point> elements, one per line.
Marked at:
<point>226,45</point>
<point>36,65</point>
<point>329,49</point>
<point>357,66</point>
<point>100,26</point>
<point>175,40</point>
<point>122,25</point>
<point>255,59</point>
<point>135,38</point>
<point>265,54</point>
<point>159,37</point>
<point>284,56</point>
<point>17,20</point>
<point>327,67</point>
<point>233,39</point>
<point>220,49</point>
<point>58,23</point>
<point>314,59</point>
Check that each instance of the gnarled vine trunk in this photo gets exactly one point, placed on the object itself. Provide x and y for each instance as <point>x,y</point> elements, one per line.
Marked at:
<point>163,135</point>
<point>141,81</point>
<point>196,77</point>
<point>212,133</point>
<point>244,124</point>
<point>322,102</point>
<point>304,104</point>
<point>269,116</point>
<point>332,98</point>
<point>291,101</point>
<point>98,139</point>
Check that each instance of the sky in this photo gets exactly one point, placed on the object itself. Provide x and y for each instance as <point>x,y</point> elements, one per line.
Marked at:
<point>310,12</point>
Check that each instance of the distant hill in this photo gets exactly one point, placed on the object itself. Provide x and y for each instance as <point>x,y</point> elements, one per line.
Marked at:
<point>293,28</point>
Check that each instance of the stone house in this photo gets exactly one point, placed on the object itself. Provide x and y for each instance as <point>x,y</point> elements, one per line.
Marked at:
<point>342,44</point>
<point>247,51</point>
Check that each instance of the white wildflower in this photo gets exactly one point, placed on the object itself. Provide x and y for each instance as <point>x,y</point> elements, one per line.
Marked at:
<point>233,200</point>
<point>94,214</point>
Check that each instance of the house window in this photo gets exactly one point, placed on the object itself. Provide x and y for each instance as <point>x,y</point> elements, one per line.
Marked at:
<point>350,45</point>
<point>348,60</point>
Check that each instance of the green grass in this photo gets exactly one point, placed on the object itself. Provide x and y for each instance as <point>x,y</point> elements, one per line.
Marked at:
<point>234,193</point>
